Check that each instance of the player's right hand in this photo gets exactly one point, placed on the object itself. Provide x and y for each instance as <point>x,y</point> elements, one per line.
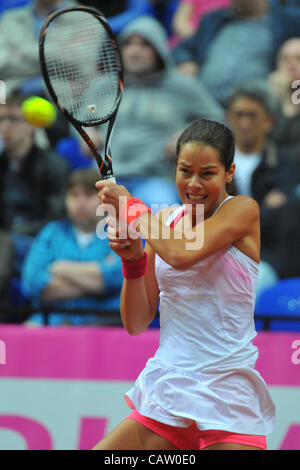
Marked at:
<point>127,248</point>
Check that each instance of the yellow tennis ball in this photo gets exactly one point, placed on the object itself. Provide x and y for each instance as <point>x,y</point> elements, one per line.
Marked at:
<point>38,111</point>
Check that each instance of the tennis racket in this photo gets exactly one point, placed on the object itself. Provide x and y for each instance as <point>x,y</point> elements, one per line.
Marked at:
<point>82,68</point>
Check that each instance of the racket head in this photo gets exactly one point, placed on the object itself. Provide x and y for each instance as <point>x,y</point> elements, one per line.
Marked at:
<point>81,66</point>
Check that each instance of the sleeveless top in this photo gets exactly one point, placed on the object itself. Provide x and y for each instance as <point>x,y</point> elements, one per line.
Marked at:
<point>203,370</point>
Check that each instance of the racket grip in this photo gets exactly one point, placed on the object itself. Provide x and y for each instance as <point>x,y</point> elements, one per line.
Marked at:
<point>112,179</point>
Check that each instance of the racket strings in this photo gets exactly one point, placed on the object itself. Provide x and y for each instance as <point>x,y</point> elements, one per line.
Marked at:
<point>83,66</point>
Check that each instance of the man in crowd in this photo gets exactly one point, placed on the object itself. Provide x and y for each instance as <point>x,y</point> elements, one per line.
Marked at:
<point>32,180</point>
<point>19,57</point>
<point>238,43</point>
<point>158,102</point>
<point>70,265</point>
<point>262,172</point>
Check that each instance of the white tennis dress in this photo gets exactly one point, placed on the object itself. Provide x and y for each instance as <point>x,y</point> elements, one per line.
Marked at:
<point>203,370</point>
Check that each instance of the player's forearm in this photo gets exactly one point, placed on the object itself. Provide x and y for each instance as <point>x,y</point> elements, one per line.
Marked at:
<point>136,311</point>
<point>178,248</point>
<point>184,246</point>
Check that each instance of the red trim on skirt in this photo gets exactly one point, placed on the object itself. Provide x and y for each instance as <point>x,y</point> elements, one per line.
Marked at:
<point>191,438</point>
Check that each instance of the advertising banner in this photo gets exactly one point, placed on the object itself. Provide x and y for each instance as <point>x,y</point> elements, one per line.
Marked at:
<point>63,387</point>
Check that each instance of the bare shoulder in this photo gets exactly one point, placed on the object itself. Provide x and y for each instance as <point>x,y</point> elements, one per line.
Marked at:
<point>246,201</point>
<point>237,219</point>
<point>240,206</point>
<point>241,217</point>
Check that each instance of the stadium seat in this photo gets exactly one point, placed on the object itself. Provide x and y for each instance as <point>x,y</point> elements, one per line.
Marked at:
<point>277,302</point>
<point>8,4</point>
<point>16,295</point>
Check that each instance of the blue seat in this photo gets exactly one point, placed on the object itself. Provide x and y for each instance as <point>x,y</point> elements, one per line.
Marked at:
<point>277,302</point>
<point>134,9</point>
<point>16,295</point>
<point>9,4</point>
<point>165,15</point>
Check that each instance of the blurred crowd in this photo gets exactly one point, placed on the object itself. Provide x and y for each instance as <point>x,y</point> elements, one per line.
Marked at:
<point>233,61</point>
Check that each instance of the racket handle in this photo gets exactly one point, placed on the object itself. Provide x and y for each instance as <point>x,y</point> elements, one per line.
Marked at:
<point>111,178</point>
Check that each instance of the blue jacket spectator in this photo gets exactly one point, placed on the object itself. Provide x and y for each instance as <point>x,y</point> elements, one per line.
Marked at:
<point>68,266</point>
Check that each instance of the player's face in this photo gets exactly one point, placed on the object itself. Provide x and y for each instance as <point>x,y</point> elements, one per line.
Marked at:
<point>138,56</point>
<point>81,208</point>
<point>201,177</point>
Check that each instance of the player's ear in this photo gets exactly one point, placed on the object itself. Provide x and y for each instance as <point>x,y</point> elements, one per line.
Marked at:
<point>230,174</point>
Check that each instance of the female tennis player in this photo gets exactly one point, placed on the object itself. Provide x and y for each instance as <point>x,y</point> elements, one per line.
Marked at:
<point>200,390</point>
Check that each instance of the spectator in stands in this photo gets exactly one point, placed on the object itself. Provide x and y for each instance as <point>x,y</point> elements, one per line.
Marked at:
<point>289,239</point>
<point>68,266</point>
<point>238,43</point>
<point>261,171</point>
<point>19,57</point>
<point>32,180</point>
<point>6,264</point>
<point>6,274</point>
<point>157,102</point>
<point>189,14</point>
<point>285,82</point>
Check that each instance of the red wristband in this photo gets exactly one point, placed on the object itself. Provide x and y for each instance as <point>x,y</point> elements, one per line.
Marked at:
<point>135,269</point>
<point>132,210</point>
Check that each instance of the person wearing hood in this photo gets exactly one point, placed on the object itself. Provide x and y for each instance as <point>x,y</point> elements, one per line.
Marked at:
<point>158,102</point>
